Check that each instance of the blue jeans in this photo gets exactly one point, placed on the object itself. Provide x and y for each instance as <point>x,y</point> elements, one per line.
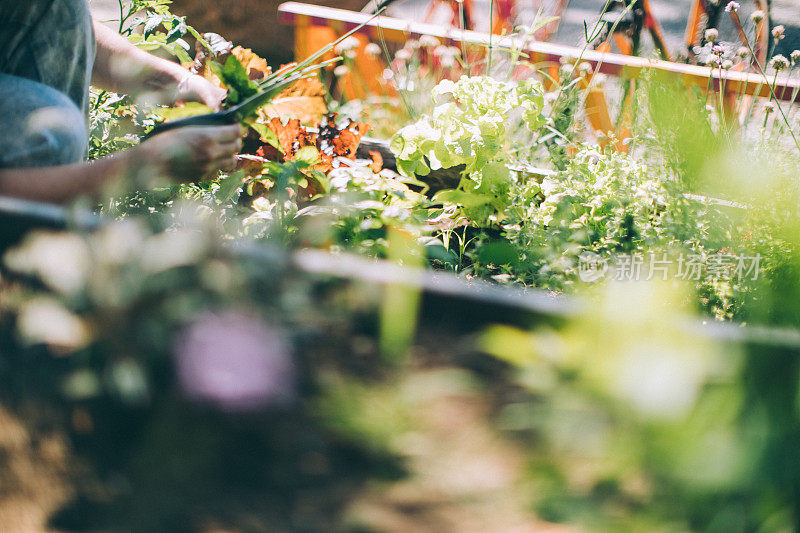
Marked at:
<point>47,50</point>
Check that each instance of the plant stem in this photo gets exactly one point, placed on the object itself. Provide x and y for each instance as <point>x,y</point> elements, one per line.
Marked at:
<point>583,50</point>
<point>771,89</point>
<point>491,31</point>
<point>121,16</point>
<point>721,93</point>
<point>463,41</point>
<point>395,74</point>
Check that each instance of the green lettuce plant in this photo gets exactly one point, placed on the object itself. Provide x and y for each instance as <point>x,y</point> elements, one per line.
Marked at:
<point>471,127</point>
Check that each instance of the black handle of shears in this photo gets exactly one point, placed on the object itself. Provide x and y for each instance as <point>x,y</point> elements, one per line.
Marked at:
<point>213,119</point>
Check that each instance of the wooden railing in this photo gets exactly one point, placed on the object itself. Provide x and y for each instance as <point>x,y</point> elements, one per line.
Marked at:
<point>304,16</point>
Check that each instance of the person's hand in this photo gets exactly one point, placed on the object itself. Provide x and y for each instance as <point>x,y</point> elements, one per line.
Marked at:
<point>194,88</point>
<point>190,153</point>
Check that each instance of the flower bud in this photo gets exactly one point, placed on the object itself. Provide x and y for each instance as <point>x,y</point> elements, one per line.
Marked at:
<point>779,62</point>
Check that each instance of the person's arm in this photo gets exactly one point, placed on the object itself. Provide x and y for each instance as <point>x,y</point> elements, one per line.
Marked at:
<point>61,184</point>
<point>122,67</point>
<point>184,153</point>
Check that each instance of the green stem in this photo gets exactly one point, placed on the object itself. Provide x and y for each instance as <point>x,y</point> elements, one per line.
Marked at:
<point>721,93</point>
<point>583,50</point>
<point>395,74</point>
<point>121,16</point>
<point>463,41</point>
<point>771,89</point>
<point>491,29</point>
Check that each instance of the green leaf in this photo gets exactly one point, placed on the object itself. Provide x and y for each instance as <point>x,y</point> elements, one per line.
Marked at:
<point>229,186</point>
<point>498,253</point>
<point>322,179</point>
<point>267,135</point>
<point>466,199</point>
<point>308,155</point>
<point>234,76</point>
<point>153,22</point>
<point>191,109</point>
<point>178,30</point>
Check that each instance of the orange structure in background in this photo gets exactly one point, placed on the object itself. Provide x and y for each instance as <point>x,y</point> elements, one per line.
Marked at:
<point>319,25</point>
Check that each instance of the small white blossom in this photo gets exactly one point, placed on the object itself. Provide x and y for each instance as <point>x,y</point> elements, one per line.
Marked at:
<point>779,62</point>
<point>428,41</point>
<point>372,49</point>
<point>757,16</point>
<point>351,43</point>
<point>404,54</point>
<point>712,35</point>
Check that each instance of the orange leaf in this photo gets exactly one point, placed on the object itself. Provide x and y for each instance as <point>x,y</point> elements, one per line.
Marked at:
<point>377,161</point>
<point>257,67</point>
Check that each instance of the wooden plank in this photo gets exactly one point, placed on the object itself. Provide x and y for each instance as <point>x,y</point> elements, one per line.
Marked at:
<point>495,303</point>
<point>618,65</point>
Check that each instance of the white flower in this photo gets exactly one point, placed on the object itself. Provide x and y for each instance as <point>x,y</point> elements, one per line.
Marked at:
<point>779,62</point>
<point>659,380</point>
<point>341,70</point>
<point>404,54</point>
<point>172,249</point>
<point>372,49</point>
<point>350,43</point>
<point>45,321</point>
<point>62,262</point>
<point>447,55</point>
<point>428,41</point>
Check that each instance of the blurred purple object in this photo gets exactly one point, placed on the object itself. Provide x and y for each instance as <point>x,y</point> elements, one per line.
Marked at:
<point>234,362</point>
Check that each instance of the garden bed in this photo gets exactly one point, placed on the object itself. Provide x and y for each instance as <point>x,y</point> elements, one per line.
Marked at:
<point>494,318</point>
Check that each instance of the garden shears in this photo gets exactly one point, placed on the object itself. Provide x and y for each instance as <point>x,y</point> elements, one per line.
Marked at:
<point>270,87</point>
